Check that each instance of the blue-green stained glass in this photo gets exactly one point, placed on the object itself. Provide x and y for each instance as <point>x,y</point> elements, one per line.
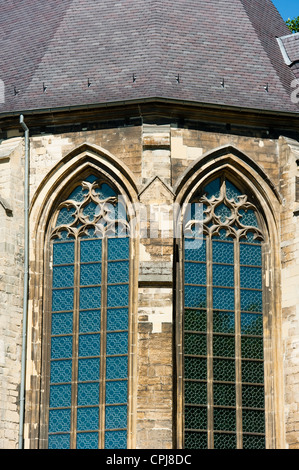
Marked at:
<point>63,252</point>
<point>232,192</point>
<point>89,345</point>
<point>223,275</point>
<point>90,211</point>
<point>248,218</point>
<point>88,394</point>
<point>90,250</point>
<point>251,301</point>
<point>61,371</point>
<point>88,419</point>
<point>223,346</point>
<point>212,189</point>
<point>251,324</point>
<point>60,395</point>
<point>78,194</point>
<point>118,271</point>
<point>195,273</point>
<point>253,396</point>
<point>66,216</point>
<point>117,319</point>
<point>195,344</point>
<point>63,276</point>
<point>60,420</point>
<point>116,367</point>
<point>223,299</point>
<point>91,178</point>
<point>87,440</point>
<point>118,248</point>
<point>88,369</point>
<point>115,439</point>
<point>116,392</point>
<point>90,274</point>
<point>118,295</point>
<point>59,441</point>
<point>223,252</point>
<point>250,255</point>
<point>195,249</point>
<point>104,191</point>
<point>250,277</point>
<point>61,347</point>
<point>116,417</point>
<point>195,296</point>
<point>252,348</point>
<point>89,321</point>
<point>117,343</point>
<point>62,299</point>
<point>223,212</point>
<point>90,297</point>
<point>62,323</point>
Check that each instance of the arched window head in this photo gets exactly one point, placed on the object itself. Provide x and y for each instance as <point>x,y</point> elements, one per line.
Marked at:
<point>223,305</point>
<point>87,320</point>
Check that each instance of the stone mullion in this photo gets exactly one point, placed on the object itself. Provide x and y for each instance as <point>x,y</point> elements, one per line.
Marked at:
<point>73,437</point>
<point>210,342</point>
<point>238,357</point>
<point>103,344</point>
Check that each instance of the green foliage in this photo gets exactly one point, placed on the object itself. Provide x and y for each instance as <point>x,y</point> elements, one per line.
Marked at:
<point>293,24</point>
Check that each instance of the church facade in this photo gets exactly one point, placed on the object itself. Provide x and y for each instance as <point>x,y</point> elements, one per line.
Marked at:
<point>149,217</point>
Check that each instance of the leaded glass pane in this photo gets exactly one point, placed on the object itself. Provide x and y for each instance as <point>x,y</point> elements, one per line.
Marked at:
<point>224,419</point>
<point>223,275</point>
<point>251,324</point>
<point>252,348</point>
<point>250,255</point>
<point>251,301</point>
<point>223,322</point>
<point>195,273</point>
<point>116,367</point>
<point>195,343</point>
<point>224,394</point>
<point>253,396</point>
<point>89,369</point>
<point>115,439</point>
<point>225,441</point>
<point>253,442</point>
<point>252,372</point>
<point>89,345</point>
<point>90,274</point>
<point>223,346</point>
<point>61,371</point>
<point>62,323</point>
<point>195,249</point>
<point>117,319</point>
<point>88,419</point>
<point>61,347</point>
<point>250,277</point>
<point>63,276</point>
<point>62,299</point>
<point>90,297</point>
<point>116,392</point>
<point>196,417</point>
<point>90,251</point>
<point>60,420</point>
<point>60,396</point>
<point>88,394</point>
<point>89,321</point>
<point>117,295</point>
<point>224,370</point>
<point>196,440</point>
<point>212,189</point>
<point>116,417</point>
<point>195,320</point>
<point>232,192</point>
<point>223,212</point>
<point>118,271</point>
<point>195,296</point>
<point>59,441</point>
<point>248,217</point>
<point>195,368</point>
<point>223,252</point>
<point>87,440</point>
<point>223,299</point>
<point>196,393</point>
<point>253,421</point>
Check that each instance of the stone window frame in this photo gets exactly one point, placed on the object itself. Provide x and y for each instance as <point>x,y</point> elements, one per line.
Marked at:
<point>249,175</point>
<point>81,161</point>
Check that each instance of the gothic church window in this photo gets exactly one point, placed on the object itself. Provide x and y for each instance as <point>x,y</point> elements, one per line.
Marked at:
<point>223,352</point>
<point>87,320</point>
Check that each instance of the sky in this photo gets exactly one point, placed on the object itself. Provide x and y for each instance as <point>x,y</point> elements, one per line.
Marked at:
<point>287,8</point>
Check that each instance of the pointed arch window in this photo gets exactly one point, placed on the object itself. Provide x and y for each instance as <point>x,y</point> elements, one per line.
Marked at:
<point>87,321</point>
<point>224,300</point>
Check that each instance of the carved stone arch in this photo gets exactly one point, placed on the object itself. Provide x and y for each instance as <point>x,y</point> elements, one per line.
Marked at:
<point>57,184</point>
<point>251,179</point>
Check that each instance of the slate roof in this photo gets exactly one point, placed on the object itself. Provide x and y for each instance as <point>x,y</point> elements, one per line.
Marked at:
<point>57,54</point>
